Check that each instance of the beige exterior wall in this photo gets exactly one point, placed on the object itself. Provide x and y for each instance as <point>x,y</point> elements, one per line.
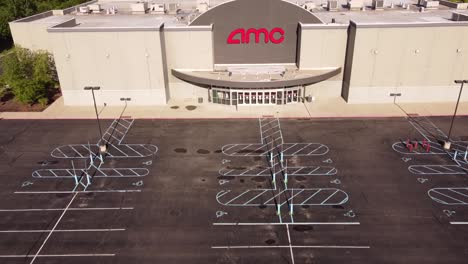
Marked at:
<point>420,62</point>
<point>323,47</point>
<point>188,50</point>
<point>32,36</point>
<point>123,64</point>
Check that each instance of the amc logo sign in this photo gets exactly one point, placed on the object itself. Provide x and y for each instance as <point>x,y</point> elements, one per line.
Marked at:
<point>242,36</point>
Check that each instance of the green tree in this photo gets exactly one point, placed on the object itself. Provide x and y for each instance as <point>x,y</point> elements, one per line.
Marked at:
<point>29,74</point>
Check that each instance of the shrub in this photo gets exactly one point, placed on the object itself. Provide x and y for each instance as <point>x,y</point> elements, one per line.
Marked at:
<point>29,74</point>
<point>43,101</point>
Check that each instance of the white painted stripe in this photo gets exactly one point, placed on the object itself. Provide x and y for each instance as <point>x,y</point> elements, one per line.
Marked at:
<point>55,226</point>
<point>63,230</point>
<point>295,223</point>
<point>96,191</point>
<point>70,209</point>
<point>459,223</point>
<point>317,246</point>
<point>290,246</point>
<point>58,255</point>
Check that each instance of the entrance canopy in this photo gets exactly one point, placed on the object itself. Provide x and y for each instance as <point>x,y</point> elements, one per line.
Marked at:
<point>256,77</point>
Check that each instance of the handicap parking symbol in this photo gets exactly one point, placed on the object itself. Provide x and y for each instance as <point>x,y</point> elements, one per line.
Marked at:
<point>220,214</point>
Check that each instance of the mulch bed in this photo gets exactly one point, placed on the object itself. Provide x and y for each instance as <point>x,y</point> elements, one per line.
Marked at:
<point>9,104</point>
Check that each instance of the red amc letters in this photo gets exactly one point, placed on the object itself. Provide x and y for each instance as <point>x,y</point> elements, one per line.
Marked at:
<point>242,36</point>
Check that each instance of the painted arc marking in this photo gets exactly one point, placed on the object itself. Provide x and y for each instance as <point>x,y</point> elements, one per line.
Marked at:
<point>292,171</point>
<point>258,197</point>
<point>436,169</point>
<point>449,196</point>
<point>290,149</point>
<point>57,255</point>
<point>435,149</point>
<point>114,151</point>
<point>294,223</point>
<point>100,173</point>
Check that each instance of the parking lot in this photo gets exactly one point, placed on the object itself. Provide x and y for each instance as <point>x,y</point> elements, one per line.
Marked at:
<point>202,191</point>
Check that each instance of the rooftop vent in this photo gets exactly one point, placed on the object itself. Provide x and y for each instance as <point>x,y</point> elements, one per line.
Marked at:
<point>139,7</point>
<point>355,4</point>
<point>309,5</point>
<point>95,8</point>
<point>203,7</point>
<point>84,10</point>
<point>173,8</point>
<point>332,5</point>
<point>378,4</point>
<point>157,8</point>
<point>111,11</point>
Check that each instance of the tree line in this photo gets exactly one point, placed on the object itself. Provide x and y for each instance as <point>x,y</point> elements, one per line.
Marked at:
<point>15,9</point>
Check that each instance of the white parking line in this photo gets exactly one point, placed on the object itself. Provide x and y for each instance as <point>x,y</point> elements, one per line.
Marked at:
<point>287,246</point>
<point>63,230</point>
<point>459,223</point>
<point>290,246</point>
<point>69,209</point>
<point>295,223</point>
<point>57,255</point>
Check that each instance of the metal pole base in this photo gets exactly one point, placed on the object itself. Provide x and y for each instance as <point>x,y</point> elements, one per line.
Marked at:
<point>447,145</point>
<point>103,148</point>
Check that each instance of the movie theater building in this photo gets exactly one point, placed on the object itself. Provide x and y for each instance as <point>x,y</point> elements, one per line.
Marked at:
<point>253,52</point>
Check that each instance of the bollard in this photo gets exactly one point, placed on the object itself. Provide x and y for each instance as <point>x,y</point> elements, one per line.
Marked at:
<point>466,154</point>
<point>285,177</point>
<point>455,155</point>
<point>274,177</point>
<point>291,212</point>
<point>281,157</point>
<point>278,210</point>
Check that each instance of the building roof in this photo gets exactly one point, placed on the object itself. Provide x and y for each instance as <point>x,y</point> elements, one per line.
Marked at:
<point>188,12</point>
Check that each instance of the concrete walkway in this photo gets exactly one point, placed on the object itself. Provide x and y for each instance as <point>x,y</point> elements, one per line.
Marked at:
<point>332,108</point>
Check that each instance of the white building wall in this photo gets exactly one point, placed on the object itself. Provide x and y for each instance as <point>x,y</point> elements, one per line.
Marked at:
<point>323,46</point>
<point>188,50</point>
<point>123,64</point>
<point>421,62</point>
<point>33,36</point>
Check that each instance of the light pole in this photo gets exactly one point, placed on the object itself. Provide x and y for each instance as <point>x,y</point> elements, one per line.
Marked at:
<point>125,100</point>
<point>447,143</point>
<point>102,147</point>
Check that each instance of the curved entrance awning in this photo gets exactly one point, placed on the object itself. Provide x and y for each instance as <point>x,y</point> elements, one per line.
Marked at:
<point>256,79</point>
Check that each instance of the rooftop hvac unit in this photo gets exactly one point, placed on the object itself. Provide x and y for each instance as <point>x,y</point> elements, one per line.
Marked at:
<point>332,5</point>
<point>95,8</point>
<point>157,8</point>
<point>84,9</point>
<point>308,6</point>
<point>430,4</point>
<point>173,8</point>
<point>139,7</point>
<point>378,4</point>
<point>202,7</point>
<point>355,4</point>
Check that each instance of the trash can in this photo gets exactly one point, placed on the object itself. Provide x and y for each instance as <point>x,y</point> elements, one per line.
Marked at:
<point>309,99</point>
<point>200,100</point>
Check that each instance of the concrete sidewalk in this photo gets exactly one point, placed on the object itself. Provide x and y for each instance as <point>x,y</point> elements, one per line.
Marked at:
<point>332,108</point>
